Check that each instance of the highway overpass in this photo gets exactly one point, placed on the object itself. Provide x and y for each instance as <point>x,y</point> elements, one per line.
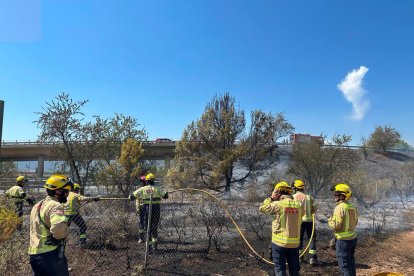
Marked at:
<point>41,152</point>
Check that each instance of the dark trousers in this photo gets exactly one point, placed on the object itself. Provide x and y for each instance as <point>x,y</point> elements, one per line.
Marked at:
<point>155,219</point>
<point>306,227</point>
<point>280,255</point>
<point>345,251</point>
<point>19,208</point>
<point>48,264</point>
<point>142,225</point>
<point>78,220</point>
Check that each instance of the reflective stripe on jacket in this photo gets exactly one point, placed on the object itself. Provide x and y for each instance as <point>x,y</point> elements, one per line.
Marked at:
<point>287,218</point>
<point>344,221</point>
<point>52,214</point>
<point>143,195</point>
<point>72,205</point>
<point>17,193</point>
<point>308,204</point>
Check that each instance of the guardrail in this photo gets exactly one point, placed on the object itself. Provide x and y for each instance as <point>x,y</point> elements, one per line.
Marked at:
<point>16,142</point>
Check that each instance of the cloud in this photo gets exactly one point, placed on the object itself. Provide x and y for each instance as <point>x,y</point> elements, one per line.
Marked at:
<point>351,88</point>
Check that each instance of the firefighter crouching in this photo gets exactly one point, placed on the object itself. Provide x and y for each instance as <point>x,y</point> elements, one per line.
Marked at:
<point>307,202</point>
<point>344,222</point>
<point>72,207</point>
<point>150,195</point>
<point>48,229</point>
<point>18,194</point>
<point>287,217</point>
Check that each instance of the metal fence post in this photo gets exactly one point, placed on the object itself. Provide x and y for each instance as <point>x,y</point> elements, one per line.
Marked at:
<point>148,232</point>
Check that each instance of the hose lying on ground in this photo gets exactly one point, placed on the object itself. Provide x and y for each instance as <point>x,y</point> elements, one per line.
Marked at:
<point>232,220</point>
<point>237,226</point>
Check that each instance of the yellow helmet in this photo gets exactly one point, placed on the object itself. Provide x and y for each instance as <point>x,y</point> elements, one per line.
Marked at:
<point>21,178</point>
<point>76,186</point>
<point>299,184</point>
<point>58,181</point>
<point>343,189</point>
<point>150,176</point>
<point>283,186</point>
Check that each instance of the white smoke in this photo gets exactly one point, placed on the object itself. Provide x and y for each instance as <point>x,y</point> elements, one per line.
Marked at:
<point>351,88</point>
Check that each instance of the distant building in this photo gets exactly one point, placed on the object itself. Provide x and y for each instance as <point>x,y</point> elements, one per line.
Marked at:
<point>305,138</point>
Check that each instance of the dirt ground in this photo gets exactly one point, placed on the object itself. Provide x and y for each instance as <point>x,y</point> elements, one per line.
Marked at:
<point>385,253</point>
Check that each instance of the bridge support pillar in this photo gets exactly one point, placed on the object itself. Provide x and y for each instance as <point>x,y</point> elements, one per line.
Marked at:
<point>40,166</point>
<point>167,163</point>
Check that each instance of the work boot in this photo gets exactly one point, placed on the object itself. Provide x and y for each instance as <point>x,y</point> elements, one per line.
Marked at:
<point>302,259</point>
<point>313,261</point>
<point>141,240</point>
<point>332,244</point>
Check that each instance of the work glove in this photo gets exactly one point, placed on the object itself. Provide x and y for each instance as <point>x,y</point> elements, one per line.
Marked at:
<point>96,199</point>
<point>131,197</point>
<point>165,196</point>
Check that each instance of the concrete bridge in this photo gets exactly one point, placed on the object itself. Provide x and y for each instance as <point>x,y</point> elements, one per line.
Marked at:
<point>41,152</point>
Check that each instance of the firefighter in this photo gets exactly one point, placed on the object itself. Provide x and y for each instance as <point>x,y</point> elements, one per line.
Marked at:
<point>18,194</point>
<point>287,217</point>
<point>141,212</point>
<point>344,222</point>
<point>72,207</point>
<point>150,196</point>
<point>48,229</point>
<point>307,202</point>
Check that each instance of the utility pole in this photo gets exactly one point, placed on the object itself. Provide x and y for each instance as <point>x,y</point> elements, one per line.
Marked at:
<point>1,121</point>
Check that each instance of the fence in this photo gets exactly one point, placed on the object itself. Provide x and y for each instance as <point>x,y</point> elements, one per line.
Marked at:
<point>195,238</point>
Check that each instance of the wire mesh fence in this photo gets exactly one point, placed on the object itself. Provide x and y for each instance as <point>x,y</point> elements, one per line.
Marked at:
<point>195,237</point>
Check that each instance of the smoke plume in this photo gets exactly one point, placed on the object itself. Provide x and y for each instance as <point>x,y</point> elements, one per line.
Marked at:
<point>351,88</point>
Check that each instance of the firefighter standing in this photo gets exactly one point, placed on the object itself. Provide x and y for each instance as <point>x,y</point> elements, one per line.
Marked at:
<point>48,229</point>
<point>287,218</point>
<point>343,222</point>
<point>150,196</point>
<point>307,202</point>
<point>18,194</point>
<point>141,212</point>
<point>72,207</point>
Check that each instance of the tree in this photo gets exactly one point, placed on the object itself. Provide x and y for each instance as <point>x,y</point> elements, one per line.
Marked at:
<point>320,166</point>
<point>125,171</point>
<point>82,144</point>
<point>384,137</point>
<point>214,146</point>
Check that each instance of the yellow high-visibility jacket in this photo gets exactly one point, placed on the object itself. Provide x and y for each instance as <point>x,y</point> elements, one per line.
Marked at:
<point>344,221</point>
<point>142,195</point>
<point>17,193</point>
<point>286,220</point>
<point>72,205</point>
<point>308,203</point>
<point>52,214</point>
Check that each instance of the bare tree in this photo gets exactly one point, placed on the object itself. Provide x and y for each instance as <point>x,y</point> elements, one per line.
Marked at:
<point>84,145</point>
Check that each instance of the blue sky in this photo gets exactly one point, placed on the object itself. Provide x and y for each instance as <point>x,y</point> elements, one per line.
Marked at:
<point>163,61</point>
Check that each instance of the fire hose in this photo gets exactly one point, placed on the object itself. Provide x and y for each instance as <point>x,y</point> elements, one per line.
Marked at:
<point>238,228</point>
<point>232,220</point>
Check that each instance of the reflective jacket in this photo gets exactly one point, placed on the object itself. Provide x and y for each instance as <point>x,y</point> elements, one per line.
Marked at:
<point>46,219</point>
<point>17,193</point>
<point>143,195</point>
<point>72,205</point>
<point>287,218</point>
<point>308,204</point>
<point>344,221</point>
